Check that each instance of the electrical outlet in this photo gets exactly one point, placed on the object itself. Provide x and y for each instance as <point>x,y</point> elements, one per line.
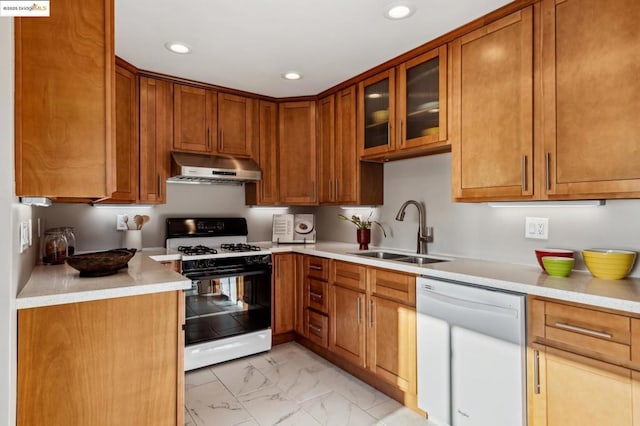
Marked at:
<point>536,228</point>
<point>121,225</point>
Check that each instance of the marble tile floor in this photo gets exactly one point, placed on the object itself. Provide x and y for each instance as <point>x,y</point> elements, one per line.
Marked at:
<point>288,385</point>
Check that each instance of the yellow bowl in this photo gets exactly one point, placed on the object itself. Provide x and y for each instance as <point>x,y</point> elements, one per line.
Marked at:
<point>380,116</point>
<point>430,131</point>
<point>609,264</point>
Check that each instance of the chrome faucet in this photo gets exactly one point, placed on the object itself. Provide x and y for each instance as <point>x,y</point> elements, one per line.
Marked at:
<point>422,238</point>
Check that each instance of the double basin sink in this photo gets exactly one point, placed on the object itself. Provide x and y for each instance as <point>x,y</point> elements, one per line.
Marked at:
<point>417,260</point>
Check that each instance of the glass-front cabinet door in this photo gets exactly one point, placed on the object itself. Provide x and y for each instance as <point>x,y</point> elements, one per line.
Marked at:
<point>422,100</point>
<point>376,114</point>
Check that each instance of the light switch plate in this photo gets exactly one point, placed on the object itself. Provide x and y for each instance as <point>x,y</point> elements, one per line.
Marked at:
<point>536,228</point>
<point>24,236</point>
<point>121,225</point>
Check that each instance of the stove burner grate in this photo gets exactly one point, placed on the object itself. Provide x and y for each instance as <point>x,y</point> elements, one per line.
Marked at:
<point>239,247</point>
<point>196,250</point>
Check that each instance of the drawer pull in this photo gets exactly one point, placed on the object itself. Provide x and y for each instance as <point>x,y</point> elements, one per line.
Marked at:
<point>315,267</point>
<point>583,330</point>
<point>316,329</point>
<point>315,295</point>
<point>358,311</point>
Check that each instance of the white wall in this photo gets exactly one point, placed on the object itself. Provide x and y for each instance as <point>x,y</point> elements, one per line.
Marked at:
<point>96,226</point>
<point>15,267</point>
<point>480,231</point>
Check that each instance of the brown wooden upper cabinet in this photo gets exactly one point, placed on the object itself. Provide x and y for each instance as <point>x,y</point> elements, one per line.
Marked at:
<point>235,124</point>
<point>404,110</point>
<point>343,178</point>
<point>297,152</point>
<point>195,119</point>
<point>492,110</point>
<point>156,130</point>
<point>590,99</point>
<point>127,157</point>
<point>64,102</point>
<point>265,192</point>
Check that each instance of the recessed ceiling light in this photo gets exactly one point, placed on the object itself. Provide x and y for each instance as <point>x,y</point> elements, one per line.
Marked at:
<point>399,10</point>
<point>292,75</point>
<point>177,47</point>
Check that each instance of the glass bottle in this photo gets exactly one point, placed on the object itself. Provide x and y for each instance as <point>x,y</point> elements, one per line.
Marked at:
<point>55,247</point>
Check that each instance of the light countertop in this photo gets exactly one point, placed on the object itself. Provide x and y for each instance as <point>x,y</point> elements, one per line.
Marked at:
<point>59,284</point>
<point>51,285</point>
<point>579,287</point>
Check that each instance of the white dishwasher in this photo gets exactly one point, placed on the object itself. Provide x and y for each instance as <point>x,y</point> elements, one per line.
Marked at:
<point>471,354</point>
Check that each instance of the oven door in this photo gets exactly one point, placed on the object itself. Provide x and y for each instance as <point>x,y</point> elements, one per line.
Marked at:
<point>227,303</point>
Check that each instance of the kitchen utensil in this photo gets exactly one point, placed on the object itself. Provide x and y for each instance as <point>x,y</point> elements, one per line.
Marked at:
<point>145,220</point>
<point>609,264</point>
<point>126,221</point>
<point>558,266</point>
<point>102,263</point>
<point>540,253</point>
<point>139,221</point>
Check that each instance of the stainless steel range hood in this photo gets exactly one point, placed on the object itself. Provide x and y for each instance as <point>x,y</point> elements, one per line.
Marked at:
<point>204,168</point>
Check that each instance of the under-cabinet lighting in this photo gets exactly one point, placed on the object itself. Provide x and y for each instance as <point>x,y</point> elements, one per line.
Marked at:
<point>177,47</point>
<point>123,206</point>
<point>399,10</point>
<point>568,203</point>
<point>35,201</point>
<point>269,208</point>
<point>367,208</point>
<point>292,75</point>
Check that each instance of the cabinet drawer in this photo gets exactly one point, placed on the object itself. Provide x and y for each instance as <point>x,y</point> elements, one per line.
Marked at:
<point>317,328</point>
<point>393,285</point>
<point>317,295</point>
<point>316,267</point>
<point>602,332</point>
<point>349,275</point>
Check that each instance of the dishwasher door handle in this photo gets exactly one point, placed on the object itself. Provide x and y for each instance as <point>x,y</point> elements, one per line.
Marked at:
<point>472,304</point>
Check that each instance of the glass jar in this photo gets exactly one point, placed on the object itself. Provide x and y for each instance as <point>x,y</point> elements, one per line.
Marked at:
<point>55,247</point>
<point>70,235</point>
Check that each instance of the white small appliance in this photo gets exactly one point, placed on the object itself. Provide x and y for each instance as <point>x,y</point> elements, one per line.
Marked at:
<point>294,228</point>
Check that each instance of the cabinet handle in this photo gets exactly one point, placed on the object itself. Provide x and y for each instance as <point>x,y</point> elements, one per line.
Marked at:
<point>315,267</point>
<point>358,311</point>
<point>370,313</point>
<point>337,181</point>
<point>315,295</point>
<point>316,329</point>
<point>547,160</point>
<point>400,140</point>
<point>221,141</point>
<point>583,330</point>
<point>159,191</point>
<point>313,191</point>
<point>524,173</point>
<point>536,372</point>
<point>208,139</point>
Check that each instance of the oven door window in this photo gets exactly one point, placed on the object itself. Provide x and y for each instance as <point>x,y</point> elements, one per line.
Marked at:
<point>223,307</point>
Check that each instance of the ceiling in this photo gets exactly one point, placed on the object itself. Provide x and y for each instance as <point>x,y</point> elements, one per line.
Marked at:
<point>249,44</point>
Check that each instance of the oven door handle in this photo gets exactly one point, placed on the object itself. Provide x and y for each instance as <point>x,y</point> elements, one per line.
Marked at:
<point>224,274</point>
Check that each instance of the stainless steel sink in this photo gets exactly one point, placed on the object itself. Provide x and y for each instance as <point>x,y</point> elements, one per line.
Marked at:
<point>380,254</point>
<point>420,260</point>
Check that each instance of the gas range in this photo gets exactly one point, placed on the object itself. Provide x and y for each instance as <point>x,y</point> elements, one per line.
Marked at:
<point>228,309</point>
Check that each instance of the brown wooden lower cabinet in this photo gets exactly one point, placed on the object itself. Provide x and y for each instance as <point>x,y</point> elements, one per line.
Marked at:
<point>283,294</point>
<point>317,328</point>
<point>572,390</point>
<point>107,362</point>
<point>376,333</point>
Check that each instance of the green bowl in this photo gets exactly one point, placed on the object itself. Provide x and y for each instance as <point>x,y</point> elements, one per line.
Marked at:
<point>558,266</point>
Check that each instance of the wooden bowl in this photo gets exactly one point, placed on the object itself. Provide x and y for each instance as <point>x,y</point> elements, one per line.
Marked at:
<point>101,263</point>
